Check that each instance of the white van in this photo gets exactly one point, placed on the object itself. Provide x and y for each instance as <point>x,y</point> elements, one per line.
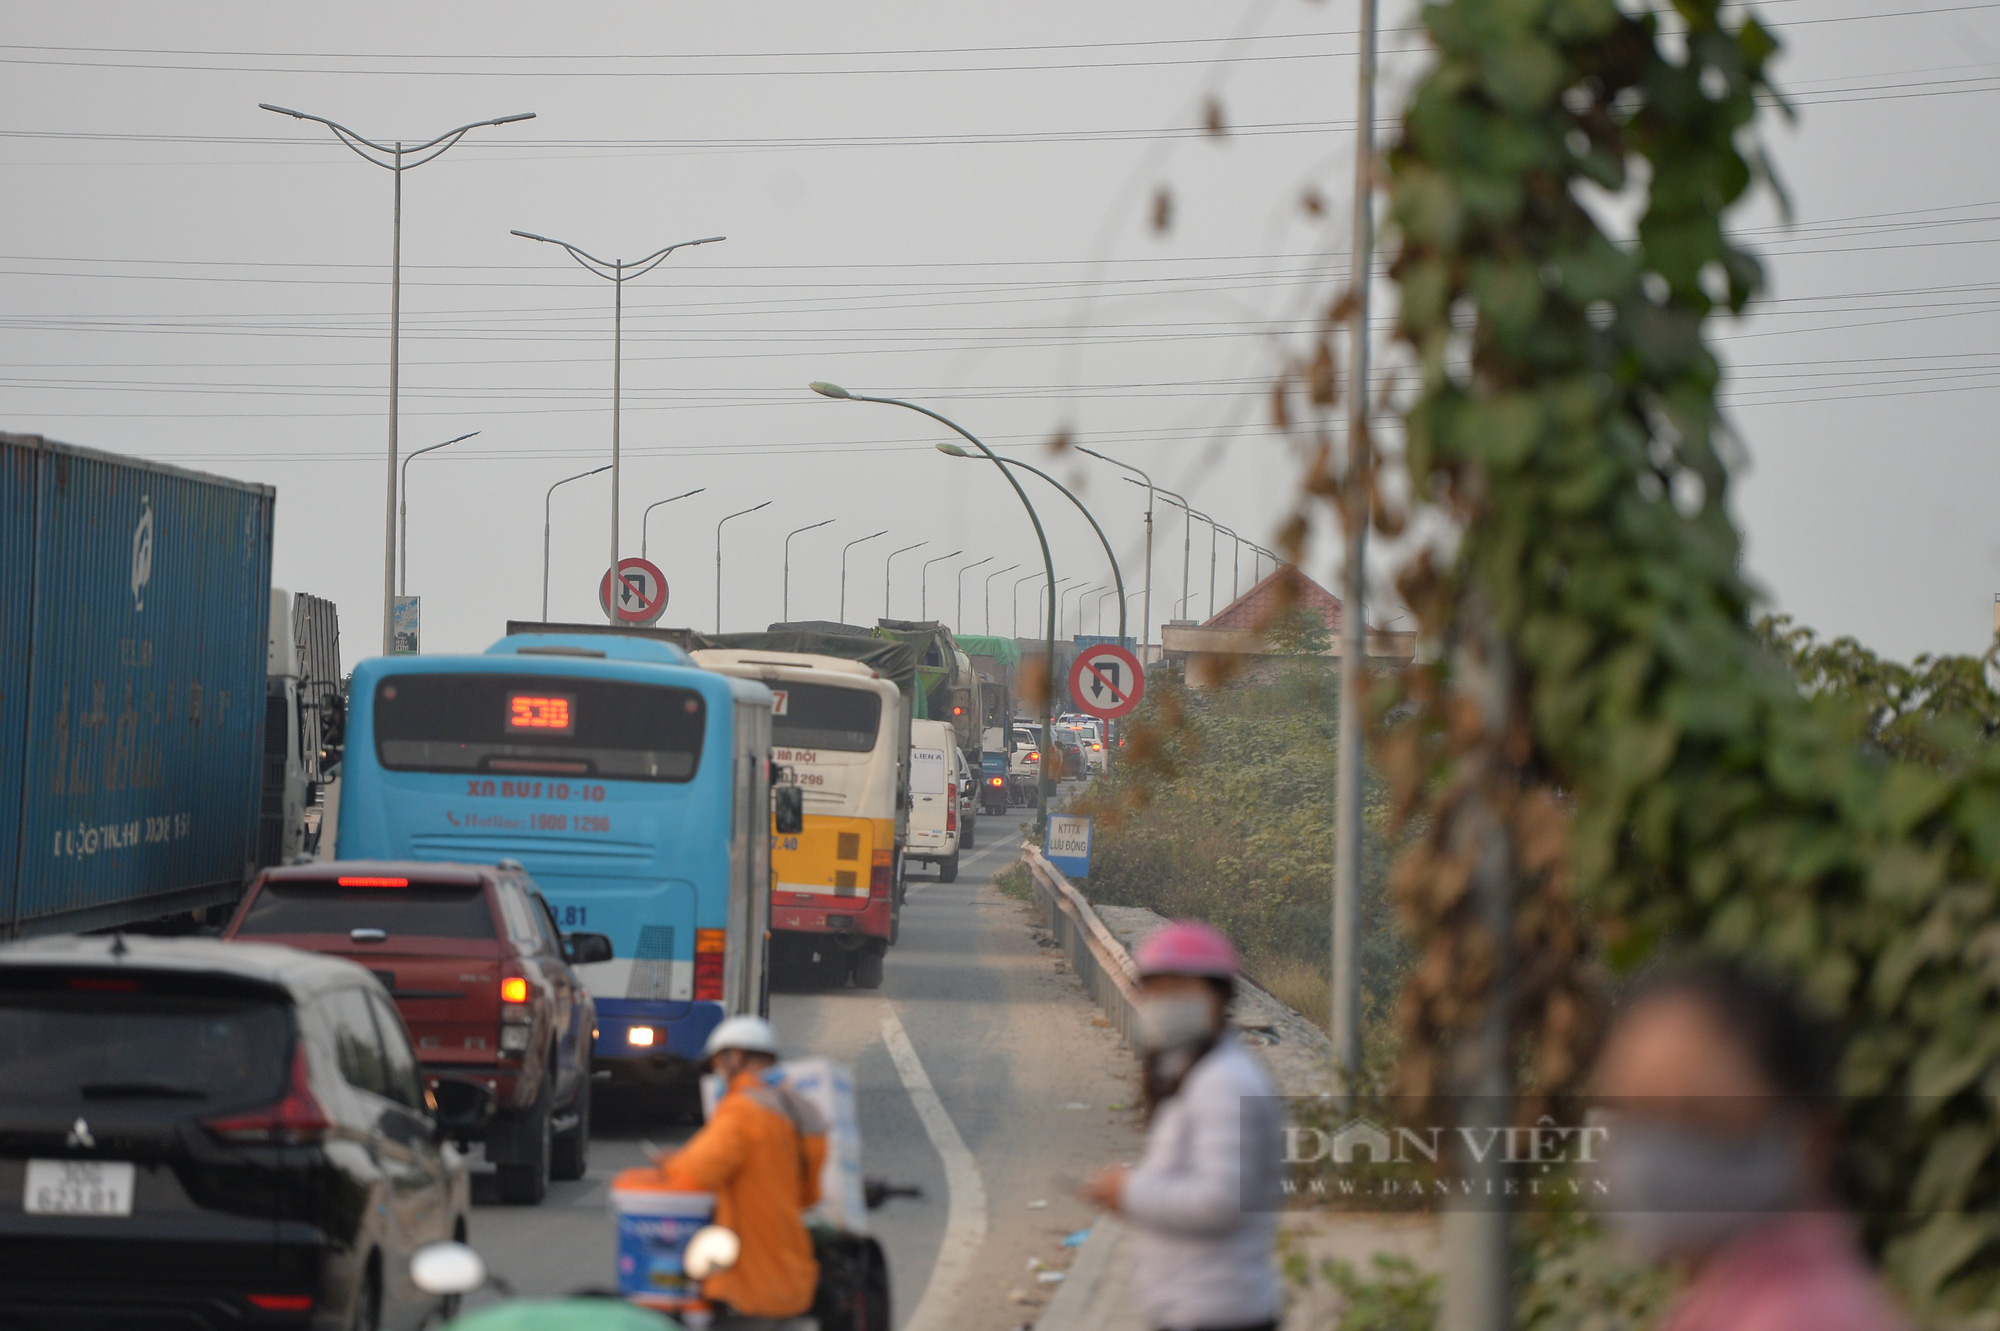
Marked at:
<point>937,775</point>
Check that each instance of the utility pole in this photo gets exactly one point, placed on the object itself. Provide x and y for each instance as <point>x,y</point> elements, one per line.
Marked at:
<point>1346,1014</point>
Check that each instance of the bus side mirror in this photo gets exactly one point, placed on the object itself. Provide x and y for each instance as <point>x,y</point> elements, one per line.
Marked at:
<point>788,808</point>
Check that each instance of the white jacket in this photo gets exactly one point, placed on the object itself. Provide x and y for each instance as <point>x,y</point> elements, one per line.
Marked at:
<point>1203,1203</point>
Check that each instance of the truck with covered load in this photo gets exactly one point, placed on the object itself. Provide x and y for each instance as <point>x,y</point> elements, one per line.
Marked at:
<point>161,734</point>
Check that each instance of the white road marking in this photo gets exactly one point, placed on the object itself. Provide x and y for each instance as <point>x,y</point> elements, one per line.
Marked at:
<point>965,1217</point>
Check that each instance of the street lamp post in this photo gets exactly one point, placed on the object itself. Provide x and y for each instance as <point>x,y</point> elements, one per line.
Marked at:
<point>1026,577</point>
<point>924,583</point>
<point>1213,533</point>
<point>989,594</point>
<point>373,153</point>
<point>1146,606</point>
<point>1235,563</point>
<point>843,567</point>
<point>614,272</point>
<point>1187,528</point>
<point>718,557</point>
<point>646,518</point>
<point>1108,591</point>
<point>890,563</point>
<point>1062,613</point>
<point>964,569</point>
<point>1048,565</point>
<point>545,530</point>
<point>403,511</point>
<point>1118,578</point>
<point>786,613</point>
<point>1039,598</point>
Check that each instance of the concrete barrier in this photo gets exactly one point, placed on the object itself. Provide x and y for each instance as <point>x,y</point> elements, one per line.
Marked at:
<point>1100,961</point>
<point>1295,1050</point>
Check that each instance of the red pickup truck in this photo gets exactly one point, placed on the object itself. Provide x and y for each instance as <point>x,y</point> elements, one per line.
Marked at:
<point>473,959</point>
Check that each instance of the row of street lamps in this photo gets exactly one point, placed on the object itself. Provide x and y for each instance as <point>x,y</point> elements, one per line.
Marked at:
<point>786,592</point>
<point>398,157</point>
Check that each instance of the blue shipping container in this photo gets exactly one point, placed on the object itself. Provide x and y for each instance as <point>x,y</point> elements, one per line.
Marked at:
<point>134,603</point>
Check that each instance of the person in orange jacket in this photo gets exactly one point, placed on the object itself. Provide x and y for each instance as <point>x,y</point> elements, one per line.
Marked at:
<point>760,1154</point>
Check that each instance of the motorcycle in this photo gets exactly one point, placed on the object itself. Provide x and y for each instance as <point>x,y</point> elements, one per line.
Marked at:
<point>853,1292</point>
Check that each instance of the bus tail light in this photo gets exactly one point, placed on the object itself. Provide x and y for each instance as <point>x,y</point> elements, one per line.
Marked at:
<point>882,874</point>
<point>293,1121</point>
<point>708,955</point>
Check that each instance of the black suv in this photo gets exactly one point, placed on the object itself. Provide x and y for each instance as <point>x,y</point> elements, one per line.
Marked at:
<point>200,1134</point>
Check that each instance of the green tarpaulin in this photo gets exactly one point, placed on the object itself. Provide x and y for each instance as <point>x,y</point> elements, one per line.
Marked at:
<point>1004,650</point>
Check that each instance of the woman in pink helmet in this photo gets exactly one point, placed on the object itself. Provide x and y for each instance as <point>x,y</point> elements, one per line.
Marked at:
<point>1203,1202</point>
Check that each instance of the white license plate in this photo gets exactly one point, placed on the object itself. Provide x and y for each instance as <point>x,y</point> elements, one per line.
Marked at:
<point>78,1187</point>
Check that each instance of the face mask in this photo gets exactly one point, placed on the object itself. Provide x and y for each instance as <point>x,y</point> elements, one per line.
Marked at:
<point>1675,1191</point>
<point>1172,1020</point>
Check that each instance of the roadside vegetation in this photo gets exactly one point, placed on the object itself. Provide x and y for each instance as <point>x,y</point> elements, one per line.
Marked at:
<point>1221,808</point>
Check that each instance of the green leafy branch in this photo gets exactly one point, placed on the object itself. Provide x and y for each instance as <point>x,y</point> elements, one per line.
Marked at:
<point>1692,791</point>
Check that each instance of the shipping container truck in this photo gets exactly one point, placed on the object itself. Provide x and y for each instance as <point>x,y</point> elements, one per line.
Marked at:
<point>158,739</point>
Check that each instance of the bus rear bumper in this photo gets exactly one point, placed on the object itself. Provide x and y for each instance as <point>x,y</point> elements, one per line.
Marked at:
<point>644,1032</point>
<point>811,913</point>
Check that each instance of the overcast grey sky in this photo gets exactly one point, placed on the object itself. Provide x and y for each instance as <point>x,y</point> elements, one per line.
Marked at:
<point>943,201</point>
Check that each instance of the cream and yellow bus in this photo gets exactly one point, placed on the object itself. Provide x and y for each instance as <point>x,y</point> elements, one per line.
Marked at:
<point>838,732</point>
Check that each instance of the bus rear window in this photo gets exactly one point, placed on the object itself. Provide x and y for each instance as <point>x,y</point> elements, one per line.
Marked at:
<point>824,716</point>
<point>438,910</point>
<point>538,725</point>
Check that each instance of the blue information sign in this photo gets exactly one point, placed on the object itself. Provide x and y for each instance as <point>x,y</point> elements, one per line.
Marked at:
<point>1067,845</point>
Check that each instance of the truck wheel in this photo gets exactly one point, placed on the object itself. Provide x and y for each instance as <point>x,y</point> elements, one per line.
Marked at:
<point>895,923</point>
<point>571,1156</point>
<point>525,1182</point>
<point>867,969</point>
<point>948,869</point>
<point>967,842</point>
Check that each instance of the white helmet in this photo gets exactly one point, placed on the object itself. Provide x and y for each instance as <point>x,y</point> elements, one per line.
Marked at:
<point>751,1034</point>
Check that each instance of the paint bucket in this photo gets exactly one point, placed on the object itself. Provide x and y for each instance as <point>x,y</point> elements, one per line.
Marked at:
<point>654,1225</point>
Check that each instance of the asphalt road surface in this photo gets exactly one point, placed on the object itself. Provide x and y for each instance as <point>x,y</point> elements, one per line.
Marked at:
<point>984,1077</point>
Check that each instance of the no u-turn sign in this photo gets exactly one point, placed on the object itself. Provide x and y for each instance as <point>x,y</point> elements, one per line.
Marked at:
<point>1106,680</point>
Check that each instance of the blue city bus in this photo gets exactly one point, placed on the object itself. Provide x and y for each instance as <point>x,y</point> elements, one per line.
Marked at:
<point>631,784</point>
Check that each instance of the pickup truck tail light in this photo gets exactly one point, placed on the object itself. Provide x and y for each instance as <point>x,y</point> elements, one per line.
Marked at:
<point>882,874</point>
<point>515,1015</point>
<point>708,960</point>
<point>296,1120</point>
<point>951,806</point>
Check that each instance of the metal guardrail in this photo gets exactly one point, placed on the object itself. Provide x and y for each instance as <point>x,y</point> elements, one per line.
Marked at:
<point>1100,961</point>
